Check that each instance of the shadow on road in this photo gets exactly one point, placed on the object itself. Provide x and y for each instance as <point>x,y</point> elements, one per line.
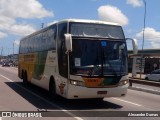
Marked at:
<point>40,99</point>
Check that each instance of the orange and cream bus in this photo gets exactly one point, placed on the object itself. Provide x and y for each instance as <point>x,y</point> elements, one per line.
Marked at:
<point>76,59</point>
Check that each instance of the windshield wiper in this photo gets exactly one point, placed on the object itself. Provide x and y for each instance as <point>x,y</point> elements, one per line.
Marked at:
<point>94,70</point>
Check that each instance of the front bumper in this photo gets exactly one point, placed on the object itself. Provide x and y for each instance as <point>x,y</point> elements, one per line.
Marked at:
<point>79,92</point>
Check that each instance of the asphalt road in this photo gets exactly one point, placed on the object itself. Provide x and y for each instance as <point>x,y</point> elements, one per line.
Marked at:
<point>14,96</point>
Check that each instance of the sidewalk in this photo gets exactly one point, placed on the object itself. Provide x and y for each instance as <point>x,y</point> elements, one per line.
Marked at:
<point>141,87</point>
<point>145,88</point>
<point>137,76</point>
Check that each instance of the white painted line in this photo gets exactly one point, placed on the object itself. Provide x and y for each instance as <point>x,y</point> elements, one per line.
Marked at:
<point>69,113</point>
<point>9,69</point>
<point>6,78</point>
<point>128,102</point>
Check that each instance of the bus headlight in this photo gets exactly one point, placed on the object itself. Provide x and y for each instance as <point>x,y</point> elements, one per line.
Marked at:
<point>77,83</point>
<point>123,82</point>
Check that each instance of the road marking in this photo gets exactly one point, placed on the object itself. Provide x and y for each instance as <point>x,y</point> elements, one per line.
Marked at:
<point>69,113</point>
<point>10,69</point>
<point>128,102</point>
<point>7,79</point>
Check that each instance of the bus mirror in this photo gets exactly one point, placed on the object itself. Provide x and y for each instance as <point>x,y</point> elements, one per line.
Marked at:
<point>135,45</point>
<point>135,51</point>
<point>68,41</point>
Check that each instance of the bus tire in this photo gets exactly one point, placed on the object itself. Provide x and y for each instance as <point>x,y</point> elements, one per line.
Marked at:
<point>25,79</point>
<point>146,78</point>
<point>52,89</point>
<point>22,73</point>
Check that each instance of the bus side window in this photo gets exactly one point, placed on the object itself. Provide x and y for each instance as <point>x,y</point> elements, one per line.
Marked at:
<point>52,35</point>
<point>21,50</point>
<point>62,57</point>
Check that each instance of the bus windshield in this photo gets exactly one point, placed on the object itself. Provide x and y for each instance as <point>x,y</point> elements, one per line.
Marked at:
<point>92,57</point>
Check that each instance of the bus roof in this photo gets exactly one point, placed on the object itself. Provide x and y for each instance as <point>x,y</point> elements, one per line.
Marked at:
<point>88,21</point>
<point>74,20</point>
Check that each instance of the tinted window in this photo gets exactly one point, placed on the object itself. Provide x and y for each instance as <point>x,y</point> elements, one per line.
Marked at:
<point>62,57</point>
<point>44,40</point>
<point>96,30</point>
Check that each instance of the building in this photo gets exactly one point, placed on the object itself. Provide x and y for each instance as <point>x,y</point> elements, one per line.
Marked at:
<point>151,59</point>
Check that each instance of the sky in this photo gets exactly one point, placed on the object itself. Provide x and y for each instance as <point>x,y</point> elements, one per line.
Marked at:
<point>19,18</point>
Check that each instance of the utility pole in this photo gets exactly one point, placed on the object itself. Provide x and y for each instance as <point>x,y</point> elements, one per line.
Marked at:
<point>42,25</point>
<point>13,47</point>
<point>1,50</point>
<point>144,25</point>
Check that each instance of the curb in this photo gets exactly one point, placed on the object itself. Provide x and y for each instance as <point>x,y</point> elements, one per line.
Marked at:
<point>144,82</point>
<point>145,90</point>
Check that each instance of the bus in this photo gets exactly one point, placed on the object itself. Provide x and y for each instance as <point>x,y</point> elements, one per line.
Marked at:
<point>76,59</point>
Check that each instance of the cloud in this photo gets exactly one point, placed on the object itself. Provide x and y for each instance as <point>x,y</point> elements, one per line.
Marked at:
<point>135,3</point>
<point>112,14</point>
<point>10,26</point>
<point>151,37</point>
<point>23,9</point>
<point>10,10</point>
<point>3,35</point>
<point>21,29</point>
<point>6,22</point>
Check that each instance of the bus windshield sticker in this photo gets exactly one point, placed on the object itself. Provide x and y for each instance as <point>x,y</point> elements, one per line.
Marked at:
<point>77,62</point>
<point>103,44</point>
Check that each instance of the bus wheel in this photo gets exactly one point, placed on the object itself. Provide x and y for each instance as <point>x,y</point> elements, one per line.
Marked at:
<point>25,79</point>
<point>52,90</point>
